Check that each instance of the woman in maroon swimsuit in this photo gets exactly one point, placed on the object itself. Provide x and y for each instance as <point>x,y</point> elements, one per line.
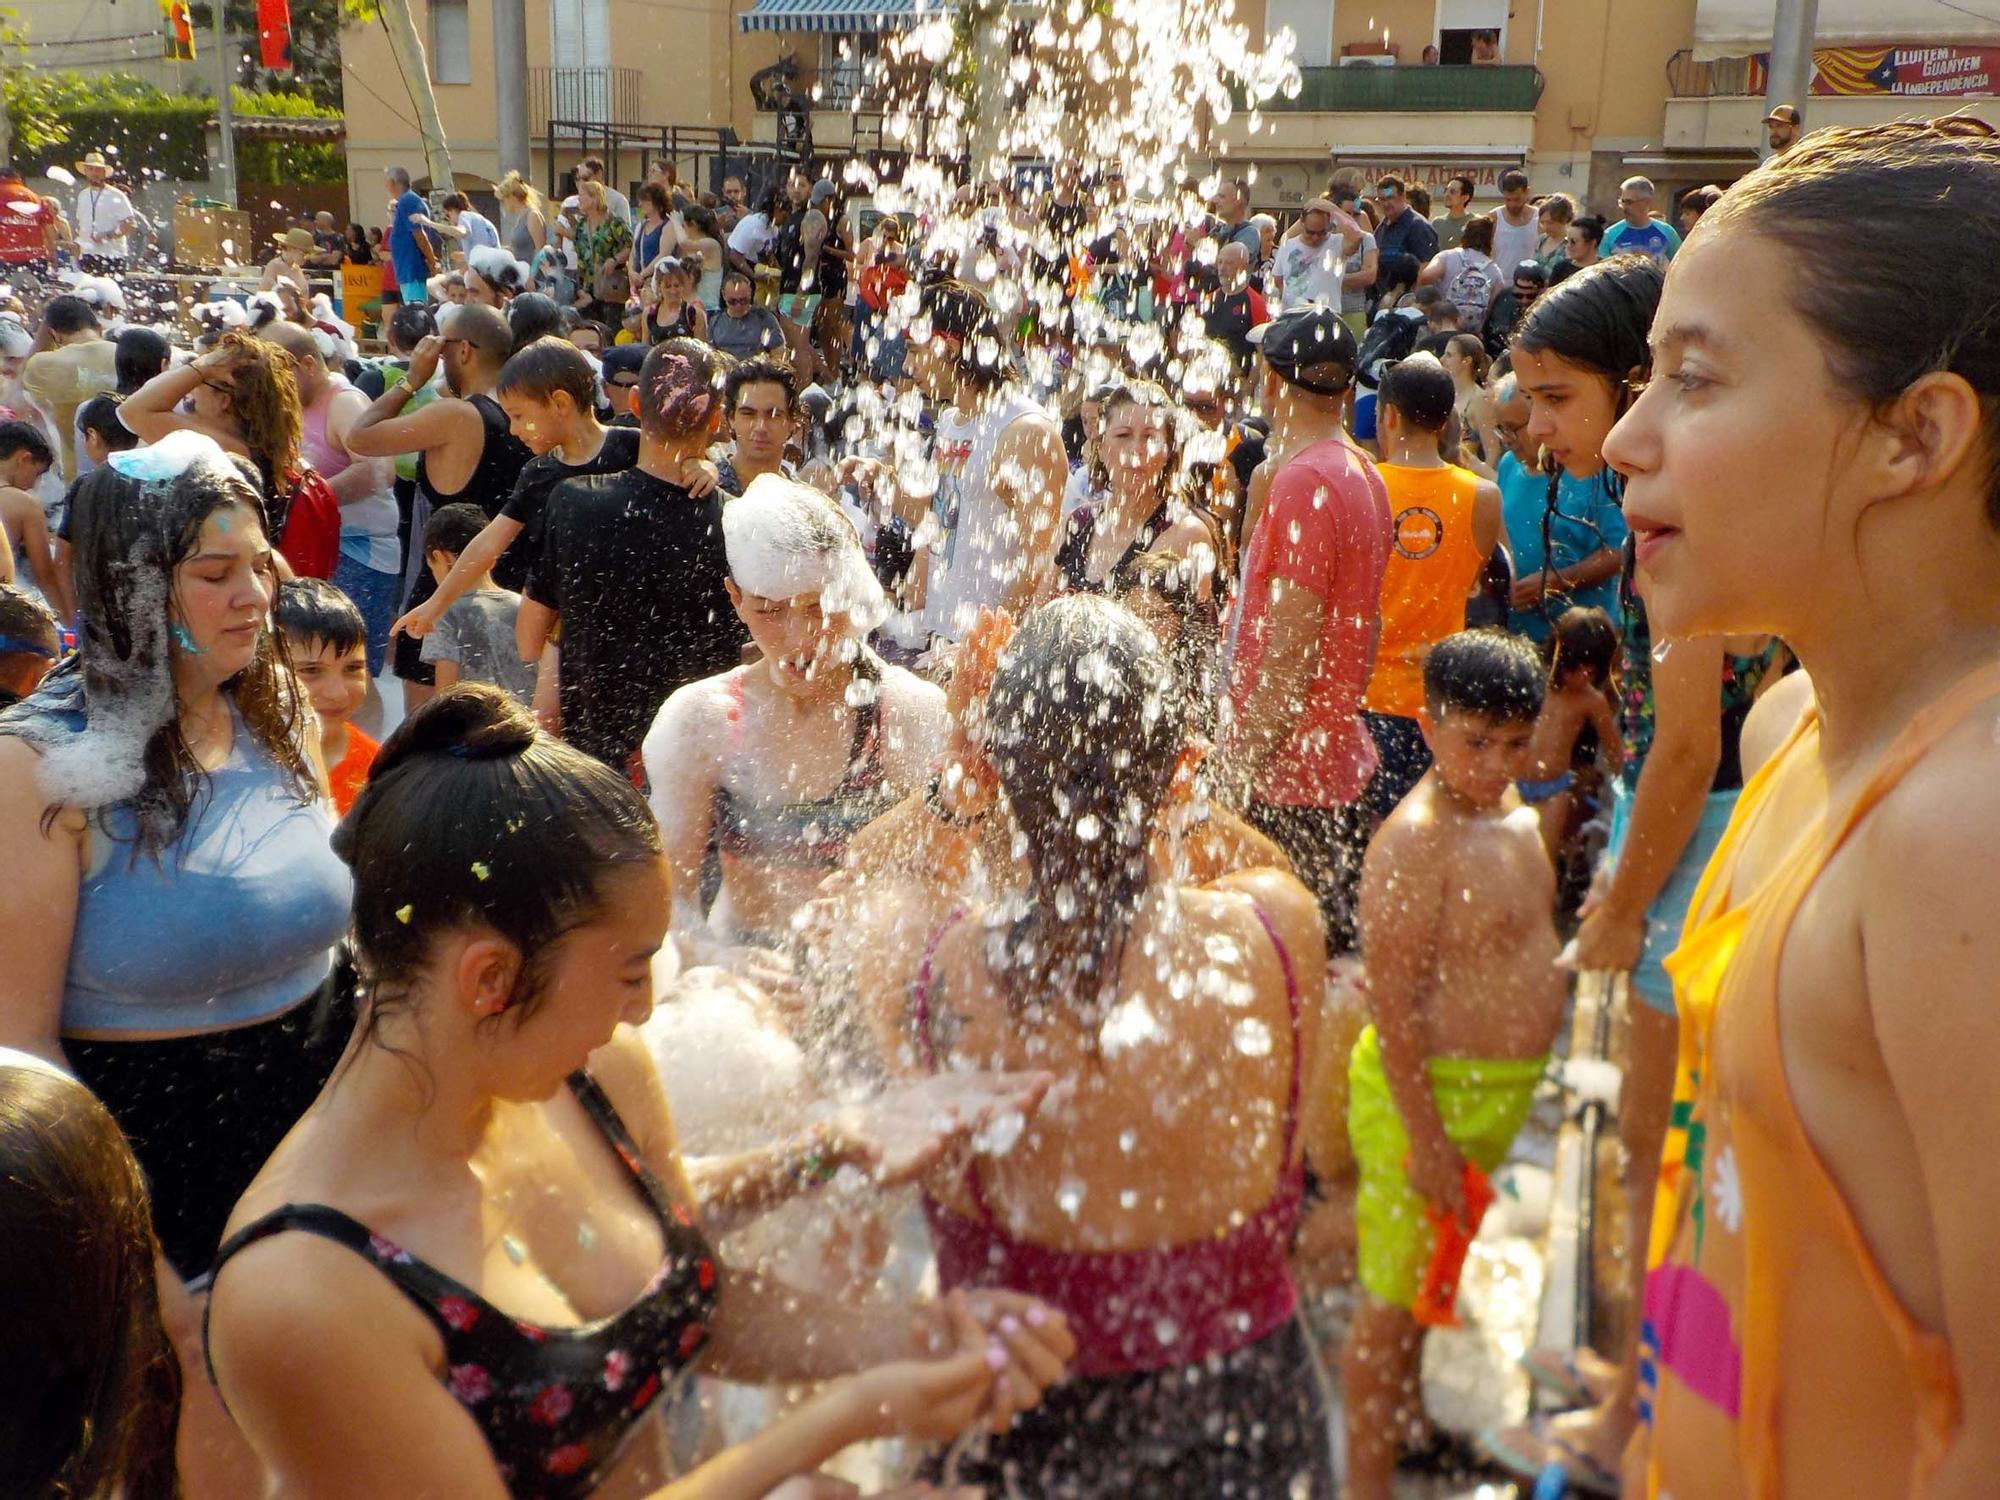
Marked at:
<point>1152,1198</point>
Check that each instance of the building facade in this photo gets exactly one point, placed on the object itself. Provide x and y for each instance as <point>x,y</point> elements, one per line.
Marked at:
<point>1579,92</point>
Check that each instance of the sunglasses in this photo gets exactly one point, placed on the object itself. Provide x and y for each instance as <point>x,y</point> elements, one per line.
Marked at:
<point>735,301</point>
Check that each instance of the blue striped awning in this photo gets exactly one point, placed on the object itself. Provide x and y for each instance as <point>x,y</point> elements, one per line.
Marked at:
<point>838,15</point>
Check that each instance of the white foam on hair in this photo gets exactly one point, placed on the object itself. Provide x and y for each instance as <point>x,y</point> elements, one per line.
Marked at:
<point>784,539</point>
<point>107,763</point>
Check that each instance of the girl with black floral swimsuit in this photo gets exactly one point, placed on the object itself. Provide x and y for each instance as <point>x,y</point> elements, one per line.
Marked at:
<point>474,1268</point>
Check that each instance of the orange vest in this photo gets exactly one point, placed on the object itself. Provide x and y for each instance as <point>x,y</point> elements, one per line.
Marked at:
<point>1780,1360</point>
<point>1432,568</point>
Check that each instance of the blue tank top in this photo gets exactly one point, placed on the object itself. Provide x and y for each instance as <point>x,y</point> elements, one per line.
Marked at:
<point>232,925</point>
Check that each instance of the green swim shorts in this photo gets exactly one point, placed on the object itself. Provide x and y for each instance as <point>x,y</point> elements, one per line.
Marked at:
<point>1483,1105</point>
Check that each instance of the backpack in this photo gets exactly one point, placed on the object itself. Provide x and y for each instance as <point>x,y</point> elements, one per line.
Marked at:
<point>1471,291</point>
<point>309,532</point>
<point>1391,337</point>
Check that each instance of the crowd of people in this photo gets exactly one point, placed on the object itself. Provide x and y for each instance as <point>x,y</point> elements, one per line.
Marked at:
<point>1107,750</point>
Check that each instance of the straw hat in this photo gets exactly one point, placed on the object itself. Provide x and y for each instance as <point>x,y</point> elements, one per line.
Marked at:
<point>94,162</point>
<point>296,239</point>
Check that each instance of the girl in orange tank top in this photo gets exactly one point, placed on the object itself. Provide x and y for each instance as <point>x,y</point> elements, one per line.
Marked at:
<point>1815,460</point>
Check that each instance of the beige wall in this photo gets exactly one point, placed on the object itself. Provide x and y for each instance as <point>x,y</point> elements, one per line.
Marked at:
<point>683,56</point>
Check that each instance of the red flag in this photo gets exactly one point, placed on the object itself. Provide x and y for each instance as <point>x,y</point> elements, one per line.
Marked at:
<point>274,34</point>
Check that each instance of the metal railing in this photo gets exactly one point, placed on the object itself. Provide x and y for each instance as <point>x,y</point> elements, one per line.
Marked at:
<point>595,96</point>
<point>1363,87</point>
<point>1722,78</point>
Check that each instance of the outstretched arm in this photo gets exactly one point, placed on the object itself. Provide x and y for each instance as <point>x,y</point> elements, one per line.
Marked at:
<point>152,411</point>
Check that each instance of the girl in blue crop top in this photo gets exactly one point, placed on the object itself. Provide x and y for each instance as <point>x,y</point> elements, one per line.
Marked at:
<point>173,901</point>
<point>474,1267</point>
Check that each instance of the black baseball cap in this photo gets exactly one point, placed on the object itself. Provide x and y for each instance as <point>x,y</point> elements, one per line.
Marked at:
<point>1306,339</point>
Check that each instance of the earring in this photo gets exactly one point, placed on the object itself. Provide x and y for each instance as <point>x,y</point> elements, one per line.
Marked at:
<point>184,640</point>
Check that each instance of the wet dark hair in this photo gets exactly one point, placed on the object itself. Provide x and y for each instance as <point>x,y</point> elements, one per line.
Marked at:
<point>486,329</point>
<point>963,313</point>
<point>451,528</point>
<point>761,369</point>
<point>546,366</point>
<point>1420,391</point>
<point>1085,724</point>
<point>1513,178</point>
<point>1583,640</point>
<point>533,315</point>
<point>1880,339</point>
<point>1494,674</point>
<point>90,1392</point>
<point>1478,234</point>
<point>471,817</point>
<point>455,200</point>
<point>680,386</point>
<point>1465,185</point>
<point>67,314</point>
<point>1599,319</point>
<point>1592,226</point>
<point>26,437</point>
<point>313,612</point>
<point>130,538</point>
<point>142,354</point>
<point>409,325</point>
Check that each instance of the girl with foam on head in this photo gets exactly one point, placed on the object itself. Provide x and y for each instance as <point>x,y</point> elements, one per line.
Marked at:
<point>173,904</point>
<point>781,762</point>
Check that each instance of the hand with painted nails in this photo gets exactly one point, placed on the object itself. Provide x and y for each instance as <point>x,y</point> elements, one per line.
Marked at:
<point>1026,1343</point>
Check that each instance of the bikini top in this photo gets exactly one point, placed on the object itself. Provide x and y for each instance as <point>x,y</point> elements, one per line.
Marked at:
<point>554,1404</point>
<point>813,833</point>
<point>1133,1310</point>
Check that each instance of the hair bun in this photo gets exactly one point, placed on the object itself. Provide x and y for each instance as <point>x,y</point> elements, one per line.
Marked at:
<point>472,721</point>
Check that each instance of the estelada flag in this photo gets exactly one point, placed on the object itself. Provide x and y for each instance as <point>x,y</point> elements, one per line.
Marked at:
<point>274,34</point>
<point>180,30</point>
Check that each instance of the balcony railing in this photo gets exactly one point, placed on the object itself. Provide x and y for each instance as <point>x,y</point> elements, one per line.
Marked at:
<point>1365,87</point>
<point>593,95</point>
<point>1723,78</point>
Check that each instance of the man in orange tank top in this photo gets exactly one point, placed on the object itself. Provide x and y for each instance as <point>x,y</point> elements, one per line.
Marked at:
<point>1447,523</point>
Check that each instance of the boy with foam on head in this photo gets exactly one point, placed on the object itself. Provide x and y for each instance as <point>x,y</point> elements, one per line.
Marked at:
<point>1459,941</point>
<point>30,643</point>
<point>474,638</point>
<point>328,643</point>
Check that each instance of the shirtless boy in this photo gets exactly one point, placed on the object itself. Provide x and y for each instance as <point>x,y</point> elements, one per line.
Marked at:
<point>1460,947</point>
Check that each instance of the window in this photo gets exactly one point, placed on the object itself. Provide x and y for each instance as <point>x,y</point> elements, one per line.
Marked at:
<point>1311,22</point>
<point>1471,31</point>
<point>451,41</point>
<point>847,65</point>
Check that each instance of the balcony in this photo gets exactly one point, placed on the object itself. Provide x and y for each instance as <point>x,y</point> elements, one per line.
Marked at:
<point>582,96</point>
<point>1366,88</point>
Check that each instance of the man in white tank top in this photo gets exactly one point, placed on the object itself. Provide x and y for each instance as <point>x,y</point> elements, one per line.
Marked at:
<point>993,525</point>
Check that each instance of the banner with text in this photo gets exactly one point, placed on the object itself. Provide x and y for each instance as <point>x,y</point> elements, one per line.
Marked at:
<point>1937,71</point>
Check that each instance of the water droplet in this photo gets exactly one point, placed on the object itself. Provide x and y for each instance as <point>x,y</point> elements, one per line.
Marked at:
<point>1088,828</point>
<point>1252,1037</point>
<point>1069,1197</point>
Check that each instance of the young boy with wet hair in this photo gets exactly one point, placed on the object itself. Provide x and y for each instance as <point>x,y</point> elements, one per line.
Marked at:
<point>1582,650</point>
<point>1459,944</point>
<point>328,643</point>
<point>30,643</point>
<point>474,638</point>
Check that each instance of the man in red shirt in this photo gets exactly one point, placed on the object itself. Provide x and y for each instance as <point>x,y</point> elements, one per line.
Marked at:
<point>1303,642</point>
<point>27,224</point>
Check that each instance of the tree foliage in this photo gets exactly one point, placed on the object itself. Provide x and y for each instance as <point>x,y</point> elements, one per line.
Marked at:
<point>57,115</point>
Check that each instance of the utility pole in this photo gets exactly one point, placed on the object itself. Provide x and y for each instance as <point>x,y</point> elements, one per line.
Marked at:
<point>409,50</point>
<point>1789,79</point>
<point>510,83</point>
<point>225,107</point>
